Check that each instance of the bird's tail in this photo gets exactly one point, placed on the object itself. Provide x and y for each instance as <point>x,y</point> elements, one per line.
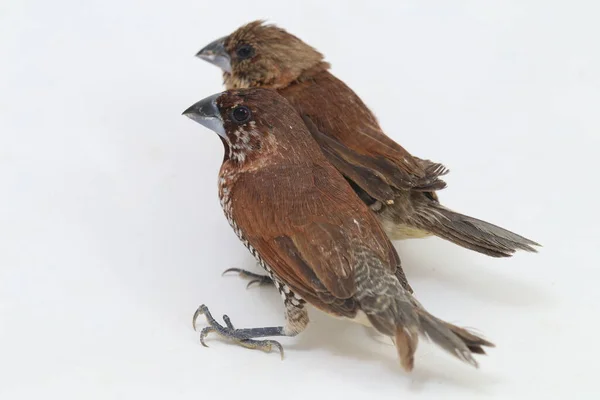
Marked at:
<point>455,340</point>
<point>394,311</point>
<point>472,233</point>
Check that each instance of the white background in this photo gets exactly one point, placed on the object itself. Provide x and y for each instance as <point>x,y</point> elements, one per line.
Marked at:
<point>111,232</point>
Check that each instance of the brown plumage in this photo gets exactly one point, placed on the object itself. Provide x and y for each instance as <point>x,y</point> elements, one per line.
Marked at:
<point>399,187</point>
<point>307,227</point>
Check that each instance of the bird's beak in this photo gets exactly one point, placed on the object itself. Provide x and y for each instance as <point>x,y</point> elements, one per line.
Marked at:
<point>205,112</point>
<point>216,54</point>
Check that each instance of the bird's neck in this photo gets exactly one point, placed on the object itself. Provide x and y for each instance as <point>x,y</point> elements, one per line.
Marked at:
<point>233,81</point>
<point>310,73</point>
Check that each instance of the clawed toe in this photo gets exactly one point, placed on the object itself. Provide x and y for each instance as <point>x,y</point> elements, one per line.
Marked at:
<point>258,279</point>
<point>264,280</point>
<point>204,333</point>
<point>228,322</point>
<point>264,345</point>
<point>201,310</point>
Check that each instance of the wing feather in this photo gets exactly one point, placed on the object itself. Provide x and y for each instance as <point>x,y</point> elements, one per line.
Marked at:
<point>354,143</point>
<point>307,224</point>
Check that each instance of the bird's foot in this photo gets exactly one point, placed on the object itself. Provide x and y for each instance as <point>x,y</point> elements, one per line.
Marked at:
<point>258,279</point>
<point>242,337</point>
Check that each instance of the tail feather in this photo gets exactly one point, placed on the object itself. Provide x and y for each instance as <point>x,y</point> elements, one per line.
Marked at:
<point>473,233</point>
<point>455,340</point>
<point>441,334</point>
<point>472,341</point>
<point>406,344</point>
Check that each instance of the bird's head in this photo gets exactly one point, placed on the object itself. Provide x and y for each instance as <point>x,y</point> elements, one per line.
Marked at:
<point>254,124</point>
<point>259,55</point>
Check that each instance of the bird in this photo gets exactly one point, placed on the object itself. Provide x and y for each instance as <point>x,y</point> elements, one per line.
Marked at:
<point>398,187</point>
<point>317,240</point>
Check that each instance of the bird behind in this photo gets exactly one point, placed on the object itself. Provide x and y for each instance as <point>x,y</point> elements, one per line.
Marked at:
<point>398,187</point>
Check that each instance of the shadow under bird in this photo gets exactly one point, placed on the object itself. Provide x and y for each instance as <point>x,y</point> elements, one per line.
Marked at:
<point>398,187</point>
<point>302,221</point>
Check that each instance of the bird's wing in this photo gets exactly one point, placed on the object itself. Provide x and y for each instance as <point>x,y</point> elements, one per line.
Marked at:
<point>312,230</point>
<point>353,141</point>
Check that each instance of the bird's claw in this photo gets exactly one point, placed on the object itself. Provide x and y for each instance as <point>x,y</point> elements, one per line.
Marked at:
<point>229,332</point>
<point>255,278</point>
<point>264,280</point>
<point>201,310</point>
<point>264,345</point>
<point>204,333</point>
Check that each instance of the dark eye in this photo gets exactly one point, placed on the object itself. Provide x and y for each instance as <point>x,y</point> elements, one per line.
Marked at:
<point>244,51</point>
<point>240,114</point>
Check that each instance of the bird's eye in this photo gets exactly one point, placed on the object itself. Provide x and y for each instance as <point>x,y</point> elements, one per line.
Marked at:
<point>240,114</point>
<point>244,51</point>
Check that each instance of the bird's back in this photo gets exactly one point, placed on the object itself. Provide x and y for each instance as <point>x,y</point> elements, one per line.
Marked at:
<point>350,135</point>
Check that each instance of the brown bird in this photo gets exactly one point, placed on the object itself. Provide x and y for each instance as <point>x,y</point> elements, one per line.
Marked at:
<point>398,187</point>
<point>304,224</point>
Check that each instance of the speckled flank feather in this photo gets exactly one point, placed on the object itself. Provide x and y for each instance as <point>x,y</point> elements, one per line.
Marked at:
<point>393,311</point>
<point>398,187</point>
<point>315,238</point>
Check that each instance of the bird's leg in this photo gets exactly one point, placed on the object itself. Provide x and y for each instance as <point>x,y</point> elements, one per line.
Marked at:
<point>296,321</point>
<point>254,278</point>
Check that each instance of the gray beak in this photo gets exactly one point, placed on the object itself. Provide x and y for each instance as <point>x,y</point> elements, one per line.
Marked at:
<point>205,112</point>
<point>216,54</point>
